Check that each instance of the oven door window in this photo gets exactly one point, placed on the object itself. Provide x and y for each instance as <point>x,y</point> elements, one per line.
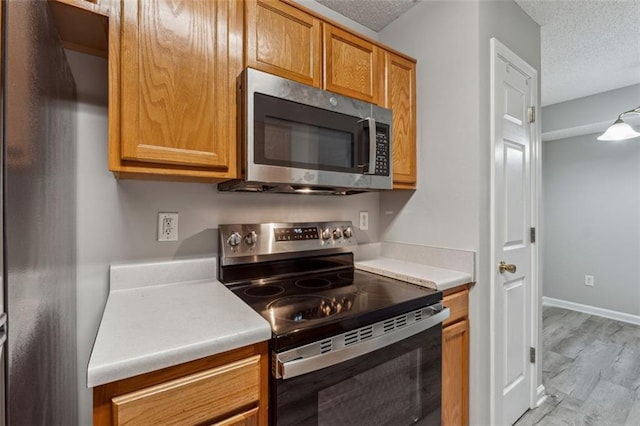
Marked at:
<point>290,134</point>
<point>397,385</point>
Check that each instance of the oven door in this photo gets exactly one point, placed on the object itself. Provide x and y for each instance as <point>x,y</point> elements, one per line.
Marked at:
<point>301,135</point>
<point>396,384</point>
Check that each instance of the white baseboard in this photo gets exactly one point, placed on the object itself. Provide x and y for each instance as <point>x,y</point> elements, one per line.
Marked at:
<point>592,310</point>
<point>541,395</point>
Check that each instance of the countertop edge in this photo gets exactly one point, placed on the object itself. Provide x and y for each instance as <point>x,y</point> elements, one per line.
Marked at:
<point>381,266</point>
<point>100,375</point>
<point>229,324</point>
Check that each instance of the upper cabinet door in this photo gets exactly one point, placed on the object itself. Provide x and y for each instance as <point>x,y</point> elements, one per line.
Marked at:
<point>284,41</point>
<point>400,96</point>
<point>350,65</point>
<point>177,91</point>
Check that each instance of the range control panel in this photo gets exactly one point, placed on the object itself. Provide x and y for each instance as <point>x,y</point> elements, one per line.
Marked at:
<point>250,243</point>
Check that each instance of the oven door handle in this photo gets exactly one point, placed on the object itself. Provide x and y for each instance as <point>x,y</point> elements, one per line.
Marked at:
<point>288,369</point>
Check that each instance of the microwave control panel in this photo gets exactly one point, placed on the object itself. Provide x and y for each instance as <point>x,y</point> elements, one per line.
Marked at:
<point>382,151</point>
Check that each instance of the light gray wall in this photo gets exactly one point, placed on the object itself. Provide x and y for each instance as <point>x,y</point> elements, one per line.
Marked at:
<point>450,40</point>
<point>592,225</point>
<point>591,114</point>
<point>443,212</point>
<point>117,220</point>
<point>590,109</point>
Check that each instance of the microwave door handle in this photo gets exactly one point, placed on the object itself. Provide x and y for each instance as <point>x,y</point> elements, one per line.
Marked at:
<point>371,169</point>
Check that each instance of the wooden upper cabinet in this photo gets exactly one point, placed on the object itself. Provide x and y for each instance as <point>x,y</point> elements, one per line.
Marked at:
<point>350,65</point>
<point>284,41</point>
<point>400,96</point>
<point>178,63</point>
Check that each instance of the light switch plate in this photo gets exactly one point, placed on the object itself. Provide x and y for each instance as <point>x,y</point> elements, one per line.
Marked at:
<point>364,221</point>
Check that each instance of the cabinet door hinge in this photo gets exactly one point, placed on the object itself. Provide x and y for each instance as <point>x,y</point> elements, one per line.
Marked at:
<point>532,355</point>
<point>532,234</point>
<point>532,114</point>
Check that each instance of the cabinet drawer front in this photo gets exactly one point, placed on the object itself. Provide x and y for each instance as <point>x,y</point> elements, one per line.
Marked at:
<point>458,303</point>
<point>248,418</point>
<point>192,399</point>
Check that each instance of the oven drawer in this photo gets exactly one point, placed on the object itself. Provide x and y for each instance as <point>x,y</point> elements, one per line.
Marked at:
<point>458,304</point>
<point>193,399</point>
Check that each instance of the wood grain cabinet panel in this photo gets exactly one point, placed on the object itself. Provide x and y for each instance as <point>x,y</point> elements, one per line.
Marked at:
<point>248,418</point>
<point>284,41</point>
<point>458,303</point>
<point>173,70</point>
<point>193,399</point>
<point>83,25</point>
<point>350,65</point>
<point>400,96</point>
<point>227,389</point>
<point>455,358</point>
<point>455,374</point>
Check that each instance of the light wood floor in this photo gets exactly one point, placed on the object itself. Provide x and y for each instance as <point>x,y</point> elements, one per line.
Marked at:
<point>591,371</point>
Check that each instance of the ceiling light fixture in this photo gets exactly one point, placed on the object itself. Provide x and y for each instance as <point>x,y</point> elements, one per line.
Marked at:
<point>620,130</point>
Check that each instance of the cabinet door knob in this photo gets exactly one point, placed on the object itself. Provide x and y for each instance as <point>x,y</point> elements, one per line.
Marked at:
<point>504,267</point>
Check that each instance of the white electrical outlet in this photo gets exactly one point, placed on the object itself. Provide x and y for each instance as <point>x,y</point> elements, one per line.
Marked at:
<point>364,220</point>
<point>588,280</point>
<point>167,226</point>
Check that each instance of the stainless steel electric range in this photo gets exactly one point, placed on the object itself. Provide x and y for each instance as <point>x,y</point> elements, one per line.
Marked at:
<point>349,347</point>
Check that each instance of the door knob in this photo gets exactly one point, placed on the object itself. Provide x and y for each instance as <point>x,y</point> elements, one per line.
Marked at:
<point>504,267</point>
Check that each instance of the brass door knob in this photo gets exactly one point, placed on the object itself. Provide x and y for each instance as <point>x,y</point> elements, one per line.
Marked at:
<point>504,267</point>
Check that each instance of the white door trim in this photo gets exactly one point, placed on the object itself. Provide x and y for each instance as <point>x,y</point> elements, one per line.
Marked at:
<point>499,50</point>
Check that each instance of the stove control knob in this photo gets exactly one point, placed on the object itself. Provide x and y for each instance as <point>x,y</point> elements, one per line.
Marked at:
<point>337,234</point>
<point>251,238</point>
<point>234,239</point>
<point>326,234</point>
<point>347,232</point>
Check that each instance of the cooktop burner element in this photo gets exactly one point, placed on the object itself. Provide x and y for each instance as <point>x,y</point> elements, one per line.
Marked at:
<point>307,287</point>
<point>264,291</point>
<point>313,283</point>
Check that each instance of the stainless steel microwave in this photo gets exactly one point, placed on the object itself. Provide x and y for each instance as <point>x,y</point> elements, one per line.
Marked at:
<point>300,139</point>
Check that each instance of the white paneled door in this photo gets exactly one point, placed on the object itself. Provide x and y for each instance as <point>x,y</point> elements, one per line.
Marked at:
<point>511,233</point>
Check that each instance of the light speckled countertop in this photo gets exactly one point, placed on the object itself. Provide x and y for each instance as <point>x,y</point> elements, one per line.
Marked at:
<point>424,275</point>
<point>167,313</point>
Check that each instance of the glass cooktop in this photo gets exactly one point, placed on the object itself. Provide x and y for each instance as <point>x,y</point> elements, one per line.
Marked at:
<point>309,307</point>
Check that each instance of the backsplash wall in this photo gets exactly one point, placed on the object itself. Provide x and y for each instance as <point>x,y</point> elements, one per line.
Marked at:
<point>117,220</point>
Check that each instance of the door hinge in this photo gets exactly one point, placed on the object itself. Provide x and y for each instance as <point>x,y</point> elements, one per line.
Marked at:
<point>532,234</point>
<point>532,355</point>
<point>532,114</point>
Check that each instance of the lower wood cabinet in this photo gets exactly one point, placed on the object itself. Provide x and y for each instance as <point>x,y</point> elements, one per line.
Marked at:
<point>229,389</point>
<point>455,359</point>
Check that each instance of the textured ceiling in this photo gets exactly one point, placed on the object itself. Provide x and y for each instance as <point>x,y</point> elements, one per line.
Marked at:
<point>588,46</point>
<point>373,14</point>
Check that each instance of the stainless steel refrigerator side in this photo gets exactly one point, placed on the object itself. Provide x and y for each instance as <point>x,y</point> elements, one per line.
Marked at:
<point>40,210</point>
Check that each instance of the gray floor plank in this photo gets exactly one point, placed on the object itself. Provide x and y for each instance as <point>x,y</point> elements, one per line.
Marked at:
<point>591,371</point>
